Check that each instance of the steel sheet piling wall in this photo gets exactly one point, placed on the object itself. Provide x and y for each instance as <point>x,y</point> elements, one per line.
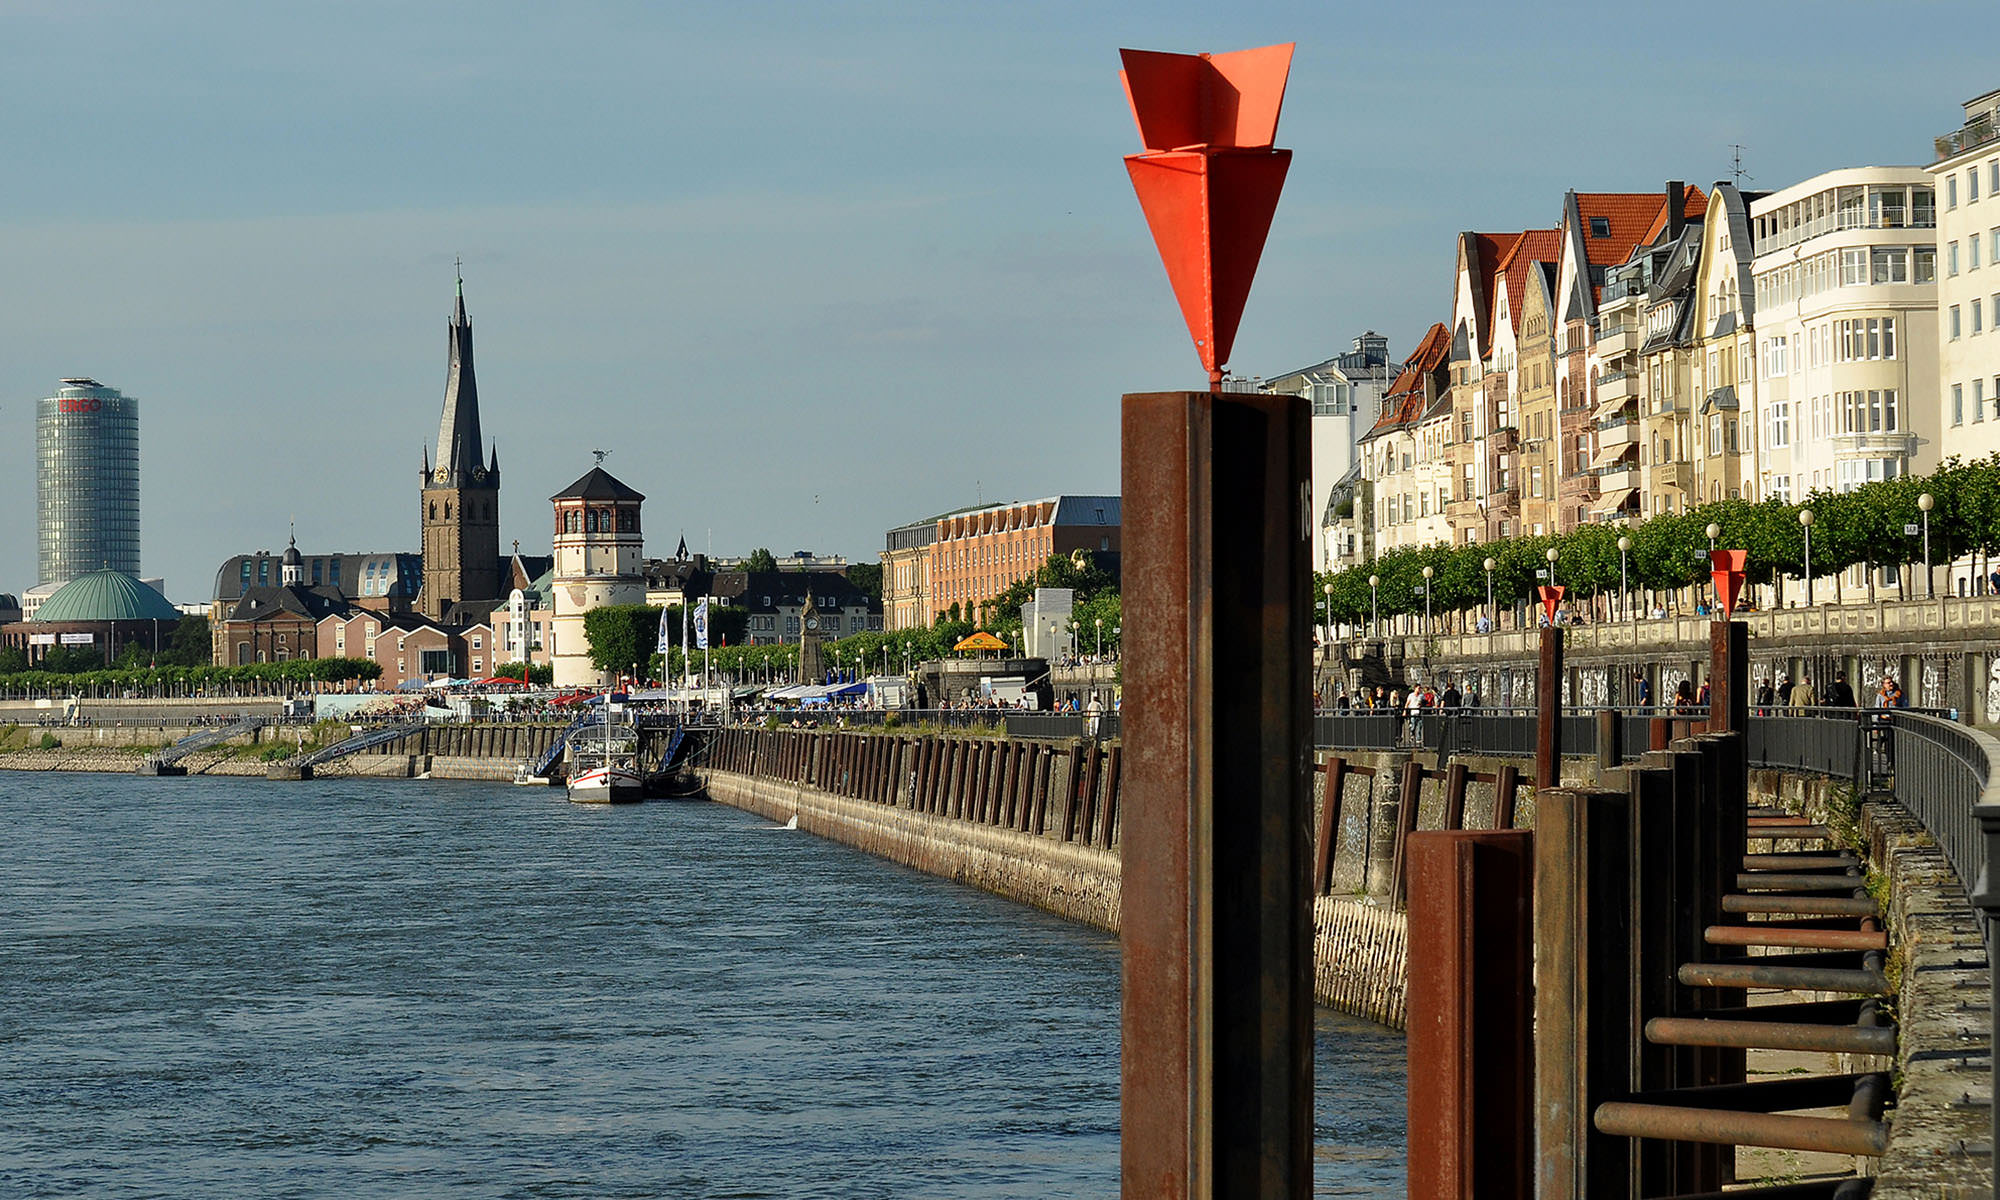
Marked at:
<point>1217,1037</point>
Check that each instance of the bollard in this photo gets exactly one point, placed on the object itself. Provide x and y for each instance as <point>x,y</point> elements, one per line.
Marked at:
<point>1408,801</point>
<point>1471,1059</point>
<point>1609,752</point>
<point>1505,788</point>
<point>1729,677</point>
<point>1327,844</point>
<point>1548,711</point>
<point>1454,797</point>
<point>1216,1096</point>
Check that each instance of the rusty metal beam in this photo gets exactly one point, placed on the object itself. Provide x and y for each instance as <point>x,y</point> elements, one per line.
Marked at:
<point>1824,906</point>
<point>1772,1035</point>
<point>1811,939</point>
<point>1217,974</point>
<point>1758,975</point>
<point>1828,1135</point>
<point>1471,1096</point>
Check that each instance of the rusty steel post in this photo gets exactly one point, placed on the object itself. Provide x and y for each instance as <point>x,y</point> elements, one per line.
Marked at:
<point>1471,1059</point>
<point>1548,711</point>
<point>1327,844</point>
<point>1583,947</point>
<point>1217,1043</point>
<point>1505,788</point>
<point>1408,801</point>
<point>1454,797</point>
<point>1609,752</point>
<point>1654,962</point>
<point>1728,677</point>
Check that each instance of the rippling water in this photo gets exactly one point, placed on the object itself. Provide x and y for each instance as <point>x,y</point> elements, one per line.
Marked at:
<point>218,988</point>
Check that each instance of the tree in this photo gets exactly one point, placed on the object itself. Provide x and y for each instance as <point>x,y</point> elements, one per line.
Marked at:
<point>867,577</point>
<point>761,559</point>
<point>621,636</point>
<point>541,674</point>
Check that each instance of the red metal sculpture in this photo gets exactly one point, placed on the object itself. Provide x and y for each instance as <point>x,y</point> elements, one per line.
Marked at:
<point>1728,576</point>
<point>1209,179</point>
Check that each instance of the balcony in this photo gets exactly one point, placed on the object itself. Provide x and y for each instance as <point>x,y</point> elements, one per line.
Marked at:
<point>1678,475</point>
<point>1503,499</point>
<point>1977,132</point>
<point>1580,487</point>
<point>1617,479</point>
<point>1461,513</point>
<point>1617,385</point>
<point>1618,340</point>
<point>1615,433</point>
<point>1503,441</point>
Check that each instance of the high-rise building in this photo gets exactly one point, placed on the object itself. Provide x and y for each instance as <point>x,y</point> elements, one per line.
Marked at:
<point>461,499</point>
<point>1966,181</point>
<point>86,482</point>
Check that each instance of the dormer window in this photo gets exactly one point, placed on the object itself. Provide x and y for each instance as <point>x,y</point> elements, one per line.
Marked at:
<point>1600,227</point>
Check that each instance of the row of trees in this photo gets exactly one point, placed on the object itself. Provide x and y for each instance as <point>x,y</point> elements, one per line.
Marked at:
<point>1876,525</point>
<point>267,676</point>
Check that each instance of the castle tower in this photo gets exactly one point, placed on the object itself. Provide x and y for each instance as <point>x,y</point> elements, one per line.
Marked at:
<point>812,663</point>
<point>600,559</point>
<point>460,503</point>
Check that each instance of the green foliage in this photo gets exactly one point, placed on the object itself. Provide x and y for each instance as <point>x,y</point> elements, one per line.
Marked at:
<point>51,742</point>
<point>1861,527</point>
<point>867,577</point>
<point>13,659</point>
<point>291,673</point>
<point>761,559</point>
<point>540,674</point>
<point>621,635</point>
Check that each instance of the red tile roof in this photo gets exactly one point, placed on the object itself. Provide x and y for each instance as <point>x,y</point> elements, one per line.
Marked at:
<point>1490,249</point>
<point>1696,206</point>
<point>1531,247</point>
<point>1635,218</point>
<point>1404,403</point>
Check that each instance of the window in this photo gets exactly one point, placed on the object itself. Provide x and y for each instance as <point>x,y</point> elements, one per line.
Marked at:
<point>1781,424</point>
<point>1853,267</point>
<point>1600,227</point>
<point>1952,323</point>
<point>1951,191</point>
<point>1923,265</point>
<point>1972,185</point>
<point>1951,258</point>
<point>1978,399</point>
<point>1774,358</point>
<point>1958,404</point>
<point>1972,253</point>
<point>1975,317</point>
<point>1889,266</point>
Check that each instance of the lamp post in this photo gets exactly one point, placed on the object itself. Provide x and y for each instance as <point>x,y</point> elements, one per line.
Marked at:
<point>1550,554</point>
<point>1805,522</point>
<point>1713,531</point>
<point>1100,639</point>
<point>1428,627</point>
<point>1492,614</point>
<point>1624,590</point>
<point>1327,590</point>
<point>1375,605</point>
<point>1924,503</point>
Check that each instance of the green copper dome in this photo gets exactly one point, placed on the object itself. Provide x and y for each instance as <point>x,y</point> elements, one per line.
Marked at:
<point>105,596</point>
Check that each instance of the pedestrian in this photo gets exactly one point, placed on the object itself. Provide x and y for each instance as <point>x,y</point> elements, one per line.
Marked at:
<point>1701,697</point>
<point>1452,699</point>
<point>1645,691</point>
<point>1766,696</point>
<point>1684,697</point>
<point>1803,695</point>
<point>1838,694</point>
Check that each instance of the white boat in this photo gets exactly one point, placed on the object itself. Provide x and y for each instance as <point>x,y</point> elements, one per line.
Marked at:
<point>524,776</point>
<point>603,761</point>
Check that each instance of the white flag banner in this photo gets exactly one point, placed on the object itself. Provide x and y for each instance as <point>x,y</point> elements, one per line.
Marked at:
<point>701,624</point>
<point>666,638</point>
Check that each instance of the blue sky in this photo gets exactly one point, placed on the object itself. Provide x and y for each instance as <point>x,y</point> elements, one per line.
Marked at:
<point>809,270</point>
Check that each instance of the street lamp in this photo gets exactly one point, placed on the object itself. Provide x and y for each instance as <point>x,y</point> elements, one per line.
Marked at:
<point>1328,590</point>
<point>1924,503</point>
<point>1492,614</point>
<point>1375,604</point>
<point>1428,629</point>
<point>1551,556</point>
<point>1624,591</point>
<point>1805,521</point>
<point>1714,531</point>
<point>1100,639</point>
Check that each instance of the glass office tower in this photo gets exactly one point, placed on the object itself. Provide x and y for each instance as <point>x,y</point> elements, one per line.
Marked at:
<point>86,481</point>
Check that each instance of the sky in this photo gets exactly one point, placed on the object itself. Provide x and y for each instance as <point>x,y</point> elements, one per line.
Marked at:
<point>809,271</point>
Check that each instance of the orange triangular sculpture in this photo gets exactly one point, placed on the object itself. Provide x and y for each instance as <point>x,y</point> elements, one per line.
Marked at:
<point>1727,574</point>
<point>1210,179</point>
<point>1552,598</point>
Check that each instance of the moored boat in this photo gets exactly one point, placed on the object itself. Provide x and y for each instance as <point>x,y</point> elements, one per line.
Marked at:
<point>603,760</point>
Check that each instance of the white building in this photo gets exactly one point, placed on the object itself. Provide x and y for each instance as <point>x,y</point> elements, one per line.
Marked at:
<point>1967,181</point>
<point>1846,322</point>
<point>599,560</point>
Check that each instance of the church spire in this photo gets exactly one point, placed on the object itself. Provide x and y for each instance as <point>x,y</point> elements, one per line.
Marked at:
<point>458,432</point>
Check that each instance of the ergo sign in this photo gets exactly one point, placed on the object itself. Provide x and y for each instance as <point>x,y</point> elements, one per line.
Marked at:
<point>78,404</point>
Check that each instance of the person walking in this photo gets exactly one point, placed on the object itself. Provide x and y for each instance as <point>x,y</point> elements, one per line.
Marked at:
<point>1838,694</point>
<point>1802,693</point>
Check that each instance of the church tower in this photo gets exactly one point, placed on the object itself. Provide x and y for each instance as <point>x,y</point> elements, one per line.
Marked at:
<point>460,505</point>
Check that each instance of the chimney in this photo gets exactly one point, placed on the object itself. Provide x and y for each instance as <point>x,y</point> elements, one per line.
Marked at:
<point>1676,208</point>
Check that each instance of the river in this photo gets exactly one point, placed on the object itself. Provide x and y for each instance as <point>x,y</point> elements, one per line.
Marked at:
<point>360,988</point>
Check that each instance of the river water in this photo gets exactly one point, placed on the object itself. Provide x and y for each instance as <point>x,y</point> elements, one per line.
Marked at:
<point>234,988</point>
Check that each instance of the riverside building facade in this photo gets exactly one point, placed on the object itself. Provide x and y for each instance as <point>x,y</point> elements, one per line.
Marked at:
<point>1845,276</point>
<point>1966,179</point>
<point>86,482</point>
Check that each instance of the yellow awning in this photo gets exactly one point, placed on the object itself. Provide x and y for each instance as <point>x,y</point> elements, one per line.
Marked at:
<point>1611,455</point>
<point>981,641</point>
<point>1614,501</point>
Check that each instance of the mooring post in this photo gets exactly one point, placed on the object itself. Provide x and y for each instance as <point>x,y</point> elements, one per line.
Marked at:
<point>1548,711</point>
<point>1728,677</point>
<point>1471,1068</point>
<point>1217,928</point>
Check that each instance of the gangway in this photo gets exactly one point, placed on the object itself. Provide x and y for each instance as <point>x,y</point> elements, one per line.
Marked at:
<point>359,742</point>
<point>162,762</point>
<point>543,765</point>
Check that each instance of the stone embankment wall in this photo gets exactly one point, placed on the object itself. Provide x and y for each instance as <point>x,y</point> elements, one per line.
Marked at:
<point>1038,822</point>
<point>499,743</point>
<point>1938,967</point>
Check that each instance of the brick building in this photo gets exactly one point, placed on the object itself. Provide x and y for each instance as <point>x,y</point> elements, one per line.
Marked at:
<point>975,554</point>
